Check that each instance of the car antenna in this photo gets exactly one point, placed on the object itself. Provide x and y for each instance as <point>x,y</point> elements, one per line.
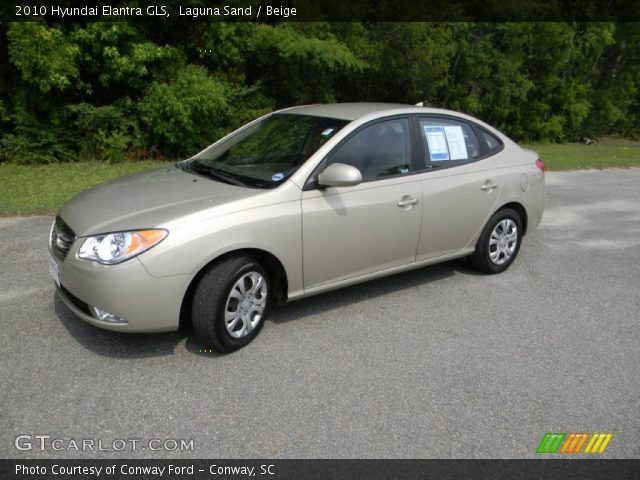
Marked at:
<point>419,104</point>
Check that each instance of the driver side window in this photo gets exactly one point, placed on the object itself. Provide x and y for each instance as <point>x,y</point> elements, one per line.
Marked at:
<point>379,151</point>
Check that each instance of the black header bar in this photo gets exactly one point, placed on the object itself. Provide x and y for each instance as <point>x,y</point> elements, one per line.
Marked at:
<point>323,10</point>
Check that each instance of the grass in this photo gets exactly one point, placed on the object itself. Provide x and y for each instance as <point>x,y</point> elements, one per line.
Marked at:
<point>43,189</point>
<point>608,153</point>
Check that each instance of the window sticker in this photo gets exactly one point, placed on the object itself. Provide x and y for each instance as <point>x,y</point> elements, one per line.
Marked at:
<point>438,150</point>
<point>456,142</point>
<point>277,177</point>
<point>327,132</point>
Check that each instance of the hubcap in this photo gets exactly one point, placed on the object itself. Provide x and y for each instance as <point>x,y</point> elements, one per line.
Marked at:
<point>503,241</point>
<point>245,305</point>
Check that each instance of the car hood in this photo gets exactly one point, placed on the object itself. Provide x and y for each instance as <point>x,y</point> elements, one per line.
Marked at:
<point>146,200</point>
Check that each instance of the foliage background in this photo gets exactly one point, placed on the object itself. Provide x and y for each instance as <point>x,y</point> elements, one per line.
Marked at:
<point>130,91</point>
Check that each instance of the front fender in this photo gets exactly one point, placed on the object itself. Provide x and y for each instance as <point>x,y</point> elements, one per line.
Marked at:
<point>193,244</point>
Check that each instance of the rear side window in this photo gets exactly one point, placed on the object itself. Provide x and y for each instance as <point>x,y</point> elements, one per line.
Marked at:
<point>490,141</point>
<point>448,142</point>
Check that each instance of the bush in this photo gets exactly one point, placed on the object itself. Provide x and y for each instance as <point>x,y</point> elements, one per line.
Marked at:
<point>106,133</point>
<point>187,114</point>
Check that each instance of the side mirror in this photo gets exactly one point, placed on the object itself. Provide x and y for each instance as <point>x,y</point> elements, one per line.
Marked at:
<point>340,175</point>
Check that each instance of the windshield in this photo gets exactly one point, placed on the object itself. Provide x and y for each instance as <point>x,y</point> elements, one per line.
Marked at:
<point>265,154</point>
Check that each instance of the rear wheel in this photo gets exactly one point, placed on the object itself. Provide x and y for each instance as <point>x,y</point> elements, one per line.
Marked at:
<point>499,242</point>
<point>230,303</point>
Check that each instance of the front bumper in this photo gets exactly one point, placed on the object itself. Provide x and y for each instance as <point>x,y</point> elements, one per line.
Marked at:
<point>147,303</point>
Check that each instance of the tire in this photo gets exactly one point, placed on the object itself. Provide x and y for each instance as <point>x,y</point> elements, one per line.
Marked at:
<point>230,303</point>
<point>496,250</point>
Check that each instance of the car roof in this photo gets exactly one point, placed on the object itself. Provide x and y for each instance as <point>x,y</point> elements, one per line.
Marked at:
<point>344,111</point>
<point>371,110</point>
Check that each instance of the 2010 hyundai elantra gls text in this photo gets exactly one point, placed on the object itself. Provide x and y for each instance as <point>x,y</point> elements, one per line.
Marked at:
<point>295,203</point>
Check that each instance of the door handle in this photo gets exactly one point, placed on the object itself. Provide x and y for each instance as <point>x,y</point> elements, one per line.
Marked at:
<point>489,185</point>
<point>407,201</point>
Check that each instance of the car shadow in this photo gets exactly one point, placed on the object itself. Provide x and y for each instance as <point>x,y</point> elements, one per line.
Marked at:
<point>124,345</point>
<point>131,345</point>
<point>332,300</point>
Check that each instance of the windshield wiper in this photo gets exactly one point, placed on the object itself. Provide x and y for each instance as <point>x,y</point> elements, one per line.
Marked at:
<point>215,174</point>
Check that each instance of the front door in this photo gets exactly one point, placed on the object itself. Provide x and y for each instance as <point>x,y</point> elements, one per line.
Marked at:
<point>352,231</point>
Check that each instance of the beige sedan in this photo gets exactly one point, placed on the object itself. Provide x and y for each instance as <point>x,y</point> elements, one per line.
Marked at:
<point>298,202</point>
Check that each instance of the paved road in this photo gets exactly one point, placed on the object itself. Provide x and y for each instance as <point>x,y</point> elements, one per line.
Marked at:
<point>439,362</point>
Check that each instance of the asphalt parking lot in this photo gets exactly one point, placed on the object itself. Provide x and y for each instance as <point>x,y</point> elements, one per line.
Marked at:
<point>439,362</point>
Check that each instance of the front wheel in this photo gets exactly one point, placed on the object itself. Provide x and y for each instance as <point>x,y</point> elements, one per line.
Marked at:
<point>499,242</point>
<point>230,304</point>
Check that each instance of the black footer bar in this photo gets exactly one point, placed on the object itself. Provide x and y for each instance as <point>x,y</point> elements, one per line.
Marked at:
<point>211,469</point>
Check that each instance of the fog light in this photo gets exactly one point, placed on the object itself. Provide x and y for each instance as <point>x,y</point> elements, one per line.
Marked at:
<point>106,316</point>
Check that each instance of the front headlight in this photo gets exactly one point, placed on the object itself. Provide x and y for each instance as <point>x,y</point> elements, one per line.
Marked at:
<point>117,247</point>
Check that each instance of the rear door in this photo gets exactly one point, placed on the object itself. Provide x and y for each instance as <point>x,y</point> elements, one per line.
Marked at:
<point>459,188</point>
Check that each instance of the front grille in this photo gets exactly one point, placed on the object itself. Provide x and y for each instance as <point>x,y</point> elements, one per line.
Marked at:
<point>62,238</point>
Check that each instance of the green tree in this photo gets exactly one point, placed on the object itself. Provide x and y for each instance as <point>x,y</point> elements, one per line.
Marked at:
<point>115,91</point>
<point>186,114</point>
